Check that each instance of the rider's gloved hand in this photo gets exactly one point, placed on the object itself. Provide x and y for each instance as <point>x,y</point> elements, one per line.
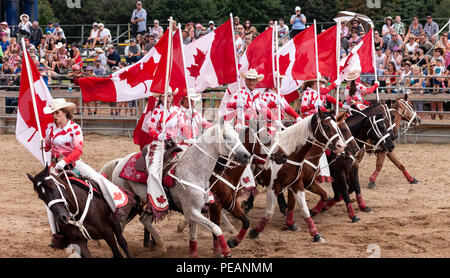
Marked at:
<point>60,165</point>
<point>162,137</point>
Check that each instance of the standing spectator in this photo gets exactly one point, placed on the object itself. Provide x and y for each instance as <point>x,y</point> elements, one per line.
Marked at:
<point>189,28</point>
<point>399,27</point>
<point>415,84</point>
<point>431,28</point>
<point>36,34</point>
<point>380,61</point>
<point>133,52</point>
<point>240,30</point>
<point>186,38</point>
<point>104,35</point>
<point>157,31</point>
<point>198,30</point>
<point>4,30</point>
<point>58,30</point>
<point>283,32</point>
<point>24,27</point>
<point>139,19</point>
<point>396,43</point>
<point>438,82</point>
<point>113,57</point>
<point>386,30</point>
<point>50,28</point>
<point>377,40</point>
<point>298,21</point>
<point>238,43</point>
<point>211,27</point>
<point>93,35</point>
<point>415,28</point>
<point>236,22</point>
<point>424,43</point>
<point>75,56</point>
<point>248,28</point>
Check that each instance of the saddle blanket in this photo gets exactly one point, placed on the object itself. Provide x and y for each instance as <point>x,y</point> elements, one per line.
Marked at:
<point>129,171</point>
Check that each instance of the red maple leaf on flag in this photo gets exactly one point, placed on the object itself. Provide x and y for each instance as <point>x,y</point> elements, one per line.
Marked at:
<point>246,180</point>
<point>199,59</point>
<point>139,72</point>
<point>27,112</point>
<point>284,63</point>
<point>161,199</point>
<point>117,196</point>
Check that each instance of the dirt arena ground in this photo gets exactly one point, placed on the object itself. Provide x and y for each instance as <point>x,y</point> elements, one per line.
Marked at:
<point>408,220</point>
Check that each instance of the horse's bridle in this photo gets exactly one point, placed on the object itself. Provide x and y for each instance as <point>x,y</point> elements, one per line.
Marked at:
<point>404,117</point>
<point>377,131</point>
<point>324,134</point>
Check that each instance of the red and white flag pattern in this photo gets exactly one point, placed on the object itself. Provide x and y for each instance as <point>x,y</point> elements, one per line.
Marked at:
<point>210,60</point>
<point>27,132</point>
<point>360,57</point>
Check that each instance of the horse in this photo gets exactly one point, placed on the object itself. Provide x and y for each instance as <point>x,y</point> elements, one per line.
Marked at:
<point>67,201</point>
<point>186,195</point>
<point>345,170</point>
<point>318,129</point>
<point>225,183</point>
<point>399,110</point>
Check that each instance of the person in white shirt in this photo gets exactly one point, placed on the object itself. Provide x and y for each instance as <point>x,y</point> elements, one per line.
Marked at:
<point>93,36</point>
<point>104,35</point>
<point>58,30</point>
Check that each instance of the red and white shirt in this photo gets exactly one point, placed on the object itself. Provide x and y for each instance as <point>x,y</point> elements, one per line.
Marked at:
<point>312,101</point>
<point>252,106</point>
<point>272,99</point>
<point>65,142</point>
<point>361,91</point>
<point>192,125</point>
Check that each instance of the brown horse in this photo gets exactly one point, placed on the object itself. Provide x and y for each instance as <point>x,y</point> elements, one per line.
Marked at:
<point>296,140</point>
<point>400,110</point>
<point>226,188</point>
<point>80,212</point>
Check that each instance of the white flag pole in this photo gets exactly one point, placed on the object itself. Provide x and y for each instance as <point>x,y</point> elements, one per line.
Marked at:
<point>317,57</point>
<point>277,60</point>
<point>51,218</point>
<point>338,55</point>
<point>168,71</point>
<point>374,64</point>
<point>240,110</point>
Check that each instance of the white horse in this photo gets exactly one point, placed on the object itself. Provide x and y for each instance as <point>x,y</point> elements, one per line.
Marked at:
<point>192,174</point>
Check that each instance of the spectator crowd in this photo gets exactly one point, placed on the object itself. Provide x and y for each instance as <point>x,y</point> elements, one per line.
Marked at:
<point>409,59</point>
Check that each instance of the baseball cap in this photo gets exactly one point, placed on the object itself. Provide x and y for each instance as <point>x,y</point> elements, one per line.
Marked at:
<point>211,22</point>
<point>297,8</point>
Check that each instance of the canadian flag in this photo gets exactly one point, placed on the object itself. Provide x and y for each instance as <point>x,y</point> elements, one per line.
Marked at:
<point>210,60</point>
<point>140,134</point>
<point>136,81</point>
<point>27,130</point>
<point>360,58</point>
<point>259,56</point>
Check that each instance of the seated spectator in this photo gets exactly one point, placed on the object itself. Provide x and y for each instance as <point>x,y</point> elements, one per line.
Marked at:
<point>104,35</point>
<point>52,63</point>
<point>150,43</point>
<point>185,36</point>
<point>396,43</point>
<point>344,42</point>
<point>75,56</point>
<point>98,68</point>
<point>6,69</point>
<point>424,43</point>
<point>211,27</point>
<point>404,72</point>
<point>92,39</point>
<point>380,61</point>
<point>411,45</point>
<point>14,59</point>
<point>248,27</point>
<point>133,52</point>
<point>397,58</point>
<point>61,39</point>
<point>269,26</point>
<point>101,57</point>
<point>355,25</point>
<point>283,32</point>
<point>58,30</point>
<point>113,58</point>
<point>13,45</point>
<point>436,71</point>
<point>391,81</point>
<point>415,28</point>
<point>62,57</point>
<point>444,43</point>
<point>399,27</point>
<point>431,28</point>
<point>354,37</point>
<point>50,28</point>
<point>41,47</point>
<point>157,31</point>
<point>239,44</point>
<point>241,32</point>
<point>415,84</point>
<point>50,48</point>
<point>4,30</point>
<point>4,43</point>
<point>378,41</point>
<point>36,34</point>
<point>236,22</point>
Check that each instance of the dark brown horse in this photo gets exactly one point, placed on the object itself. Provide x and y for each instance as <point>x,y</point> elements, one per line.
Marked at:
<point>320,130</point>
<point>80,212</point>
<point>401,110</point>
<point>226,188</point>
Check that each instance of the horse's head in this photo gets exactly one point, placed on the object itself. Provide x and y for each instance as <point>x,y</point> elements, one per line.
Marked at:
<point>377,132</point>
<point>406,111</point>
<point>352,147</point>
<point>228,143</point>
<point>49,190</point>
<point>260,143</point>
<point>325,130</point>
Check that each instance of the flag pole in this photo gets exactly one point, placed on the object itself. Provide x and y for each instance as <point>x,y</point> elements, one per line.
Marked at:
<point>277,61</point>
<point>185,79</point>
<point>51,218</point>
<point>168,70</point>
<point>317,57</point>
<point>338,50</point>
<point>374,64</point>
<point>240,109</point>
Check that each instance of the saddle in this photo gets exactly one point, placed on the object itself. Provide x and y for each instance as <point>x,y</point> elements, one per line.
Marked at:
<point>82,182</point>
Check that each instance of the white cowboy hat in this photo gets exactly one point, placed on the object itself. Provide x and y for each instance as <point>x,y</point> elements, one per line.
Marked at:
<point>352,75</point>
<point>58,103</point>
<point>59,45</point>
<point>252,74</point>
<point>170,92</point>
<point>24,15</point>
<point>98,49</point>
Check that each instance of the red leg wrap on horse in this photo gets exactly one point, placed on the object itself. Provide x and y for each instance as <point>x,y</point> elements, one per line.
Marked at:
<point>350,211</point>
<point>360,201</point>
<point>289,218</point>
<point>193,249</point>
<point>216,247</point>
<point>240,236</point>
<point>316,210</point>
<point>226,251</point>
<point>311,226</point>
<point>330,204</point>
<point>262,224</point>
<point>374,176</point>
<point>407,176</point>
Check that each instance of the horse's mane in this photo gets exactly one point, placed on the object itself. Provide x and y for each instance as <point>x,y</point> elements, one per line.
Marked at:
<point>295,136</point>
<point>357,117</point>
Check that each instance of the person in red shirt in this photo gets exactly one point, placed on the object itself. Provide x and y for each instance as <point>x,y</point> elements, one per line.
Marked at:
<point>355,91</point>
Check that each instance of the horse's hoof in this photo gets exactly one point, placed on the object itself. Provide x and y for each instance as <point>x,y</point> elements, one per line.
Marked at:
<point>355,219</point>
<point>366,209</point>
<point>311,213</point>
<point>283,211</point>
<point>372,185</point>
<point>253,234</point>
<point>231,243</point>
<point>221,256</point>
<point>414,181</point>
<point>294,228</point>
<point>318,238</point>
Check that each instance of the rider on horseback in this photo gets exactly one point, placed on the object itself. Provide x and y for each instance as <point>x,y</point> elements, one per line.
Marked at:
<point>355,91</point>
<point>64,139</point>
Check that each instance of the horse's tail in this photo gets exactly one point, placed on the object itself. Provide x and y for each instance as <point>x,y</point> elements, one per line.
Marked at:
<point>108,168</point>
